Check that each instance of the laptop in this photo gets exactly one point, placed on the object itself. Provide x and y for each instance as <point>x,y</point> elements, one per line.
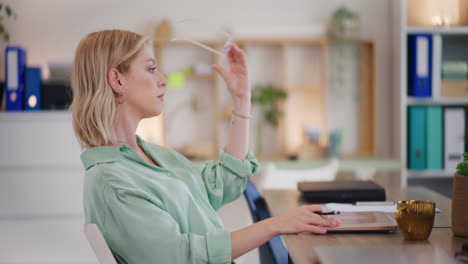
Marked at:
<point>341,191</point>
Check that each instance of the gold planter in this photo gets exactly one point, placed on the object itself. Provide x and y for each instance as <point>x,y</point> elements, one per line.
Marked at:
<point>415,219</point>
<point>460,205</point>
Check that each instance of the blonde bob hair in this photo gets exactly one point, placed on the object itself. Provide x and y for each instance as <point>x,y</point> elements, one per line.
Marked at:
<point>94,101</point>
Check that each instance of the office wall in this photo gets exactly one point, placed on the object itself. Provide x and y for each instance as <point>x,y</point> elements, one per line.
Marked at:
<point>51,29</point>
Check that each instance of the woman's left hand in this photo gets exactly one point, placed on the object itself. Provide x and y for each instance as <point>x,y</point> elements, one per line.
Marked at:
<point>237,79</point>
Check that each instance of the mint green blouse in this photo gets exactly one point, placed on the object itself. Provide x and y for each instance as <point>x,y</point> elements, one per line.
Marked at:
<point>167,214</point>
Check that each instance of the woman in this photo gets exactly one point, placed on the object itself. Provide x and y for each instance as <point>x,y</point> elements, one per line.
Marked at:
<point>150,203</point>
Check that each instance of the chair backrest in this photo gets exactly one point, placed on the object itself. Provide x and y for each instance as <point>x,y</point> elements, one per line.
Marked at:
<point>98,244</point>
<point>274,251</point>
<point>252,195</point>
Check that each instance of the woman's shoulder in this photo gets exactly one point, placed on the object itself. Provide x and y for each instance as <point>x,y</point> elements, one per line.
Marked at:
<point>106,175</point>
<point>105,182</point>
<point>110,181</point>
<point>166,152</point>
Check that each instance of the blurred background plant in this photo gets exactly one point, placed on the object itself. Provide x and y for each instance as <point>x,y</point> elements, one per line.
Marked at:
<point>268,98</point>
<point>344,24</point>
<point>6,12</point>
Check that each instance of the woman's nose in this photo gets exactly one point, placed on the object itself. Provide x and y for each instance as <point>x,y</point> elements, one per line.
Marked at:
<point>162,82</point>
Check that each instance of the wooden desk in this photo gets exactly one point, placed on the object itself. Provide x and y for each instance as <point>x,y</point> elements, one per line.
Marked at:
<point>301,246</point>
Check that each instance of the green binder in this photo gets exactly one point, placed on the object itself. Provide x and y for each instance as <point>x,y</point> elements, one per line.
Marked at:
<point>434,145</point>
<point>417,138</point>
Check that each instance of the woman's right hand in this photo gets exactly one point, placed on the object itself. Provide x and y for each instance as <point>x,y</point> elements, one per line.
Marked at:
<point>302,219</point>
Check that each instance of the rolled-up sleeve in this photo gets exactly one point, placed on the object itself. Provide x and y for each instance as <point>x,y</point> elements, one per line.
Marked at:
<point>143,232</point>
<point>225,180</point>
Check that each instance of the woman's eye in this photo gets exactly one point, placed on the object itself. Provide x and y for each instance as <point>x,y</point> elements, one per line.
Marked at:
<point>153,69</point>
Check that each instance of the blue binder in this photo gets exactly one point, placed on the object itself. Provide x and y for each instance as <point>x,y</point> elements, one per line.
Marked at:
<point>417,156</point>
<point>15,62</point>
<point>420,65</point>
<point>32,88</point>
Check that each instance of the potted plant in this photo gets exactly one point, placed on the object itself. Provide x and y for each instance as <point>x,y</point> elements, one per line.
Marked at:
<point>5,12</point>
<point>460,199</point>
<point>268,98</point>
<point>344,24</point>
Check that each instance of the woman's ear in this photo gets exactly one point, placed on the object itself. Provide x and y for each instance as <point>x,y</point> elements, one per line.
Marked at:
<point>114,78</point>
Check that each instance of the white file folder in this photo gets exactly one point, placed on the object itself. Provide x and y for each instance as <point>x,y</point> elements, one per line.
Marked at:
<point>454,137</point>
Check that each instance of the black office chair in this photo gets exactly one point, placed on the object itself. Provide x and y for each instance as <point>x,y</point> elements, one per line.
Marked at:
<point>273,251</point>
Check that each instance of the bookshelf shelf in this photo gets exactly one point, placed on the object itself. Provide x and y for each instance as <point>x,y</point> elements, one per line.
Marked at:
<point>438,101</point>
<point>438,30</point>
<point>35,116</point>
<point>413,174</point>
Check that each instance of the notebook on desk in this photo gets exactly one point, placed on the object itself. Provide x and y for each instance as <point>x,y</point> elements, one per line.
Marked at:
<point>363,221</point>
<point>341,191</point>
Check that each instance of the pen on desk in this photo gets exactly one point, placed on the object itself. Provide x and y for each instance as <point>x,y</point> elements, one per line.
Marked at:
<point>328,213</point>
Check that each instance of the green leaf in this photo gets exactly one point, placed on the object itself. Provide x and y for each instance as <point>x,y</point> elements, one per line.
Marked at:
<point>8,11</point>
<point>268,98</point>
<point>462,168</point>
<point>4,37</point>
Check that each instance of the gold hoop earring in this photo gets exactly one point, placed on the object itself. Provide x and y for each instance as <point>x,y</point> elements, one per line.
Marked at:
<point>120,94</point>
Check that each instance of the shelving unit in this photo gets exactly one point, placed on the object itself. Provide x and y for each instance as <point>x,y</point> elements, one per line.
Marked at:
<point>414,17</point>
<point>297,65</point>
